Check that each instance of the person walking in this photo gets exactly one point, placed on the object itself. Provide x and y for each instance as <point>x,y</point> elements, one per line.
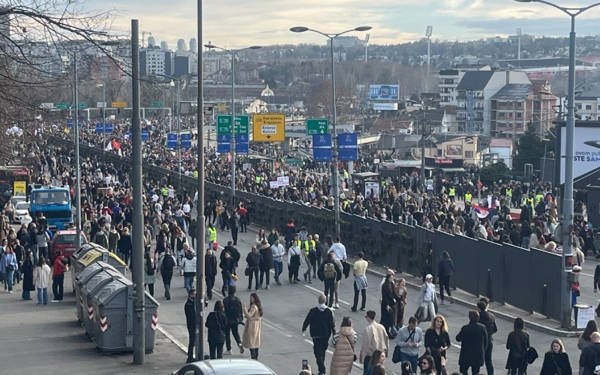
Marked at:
<point>410,339</point>
<point>294,260</point>
<point>340,256</point>
<point>374,339</point>
<point>8,267</point>
<point>437,340</point>
<point>278,252</point>
<point>27,272</point>
<point>227,266</point>
<point>233,224</point>
<point>377,359</point>
<point>167,265</point>
<point>400,294</point>
<point>234,313</point>
<point>252,329</point>
<point>427,365</point>
<point>253,260</point>
<point>125,245</point>
<point>388,303</point>
<point>517,345</point>
<point>359,269</point>
<point>266,263</point>
<point>328,273</point>
<point>190,320</point>
<point>427,298</point>
<point>322,326</point>
<point>216,323</point>
<point>445,272</point>
<point>189,269</point>
<point>473,339</point>
<point>489,321</point>
<point>58,278</point>
<point>113,239</point>
<point>210,272</point>
<point>556,360</point>
<point>211,232</point>
<point>588,360</point>
<point>149,272</point>
<point>41,280</point>
<point>343,354</point>
<point>585,339</point>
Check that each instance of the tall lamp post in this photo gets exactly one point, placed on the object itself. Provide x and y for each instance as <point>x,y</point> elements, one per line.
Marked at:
<point>232,52</point>
<point>335,171</point>
<point>103,118</point>
<point>567,210</point>
<point>178,113</point>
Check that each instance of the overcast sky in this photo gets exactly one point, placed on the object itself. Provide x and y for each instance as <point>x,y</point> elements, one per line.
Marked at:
<point>239,23</point>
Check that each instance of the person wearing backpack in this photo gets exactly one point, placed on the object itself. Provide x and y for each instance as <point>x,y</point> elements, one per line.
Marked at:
<point>590,356</point>
<point>329,272</point>
<point>167,264</point>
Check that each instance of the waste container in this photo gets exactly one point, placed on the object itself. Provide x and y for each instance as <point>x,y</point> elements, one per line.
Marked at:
<point>114,317</point>
<point>93,285</point>
<point>83,277</point>
<point>97,254</point>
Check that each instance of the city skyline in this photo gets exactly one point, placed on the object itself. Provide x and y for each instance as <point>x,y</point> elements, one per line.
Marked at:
<point>267,21</point>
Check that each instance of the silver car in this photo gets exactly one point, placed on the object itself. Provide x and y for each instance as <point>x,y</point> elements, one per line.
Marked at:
<point>225,367</point>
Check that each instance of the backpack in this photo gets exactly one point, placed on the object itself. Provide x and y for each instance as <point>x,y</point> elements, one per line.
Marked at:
<point>329,271</point>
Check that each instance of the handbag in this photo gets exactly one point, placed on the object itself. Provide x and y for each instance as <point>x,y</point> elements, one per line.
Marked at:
<point>10,267</point>
<point>396,357</point>
<point>419,313</point>
<point>247,271</point>
<point>531,355</point>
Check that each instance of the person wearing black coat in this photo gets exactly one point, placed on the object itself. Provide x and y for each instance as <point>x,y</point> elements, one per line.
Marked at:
<point>210,272</point>
<point>235,254</point>
<point>234,314</point>
<point>166,271</point>
<point>190,320</point>
<point>322,326</point>
<point>27,272</point>
<point>216,323</point>
<point>266,263</point>
<point>233,224</point>
<point>388,303</point>
<point>489,321</point>
<point>329,282</point>
<point>253,260</point>
<point>227,266</point>
<point>556,361</point>
<point>473,337</point>
<point>517,345</point>
<point>445,272</point>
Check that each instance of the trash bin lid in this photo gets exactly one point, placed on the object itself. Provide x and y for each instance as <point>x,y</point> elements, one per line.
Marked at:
<point>83,249</point>
<point>89,257</point>
<point>582,306</point>
<point>116,258</point>
<point>111,290</point>
<point>149,301</point>
<point>100,277</point>
<point>88,272</point>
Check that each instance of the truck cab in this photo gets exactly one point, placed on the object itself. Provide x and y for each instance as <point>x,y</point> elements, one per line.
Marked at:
<point>54,203</point>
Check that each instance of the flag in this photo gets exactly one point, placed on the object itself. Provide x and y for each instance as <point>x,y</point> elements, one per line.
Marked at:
<point>116,145</point>
<point>481,212</point>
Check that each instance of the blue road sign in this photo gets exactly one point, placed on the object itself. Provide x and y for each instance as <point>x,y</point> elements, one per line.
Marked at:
<point>322,140</point>
<point>70,122</point>
<point>348,154</point>
<point>241,138</point>
<point>224,138</point>
<point>145,135</point>
<point>322,154</point>
<point>171,140</point>
<point>348,140</point>
<point>186,140</point>
<point>99,128</point>
<point>108,128</point>
<point>223,147</point>
<point>241,147</point>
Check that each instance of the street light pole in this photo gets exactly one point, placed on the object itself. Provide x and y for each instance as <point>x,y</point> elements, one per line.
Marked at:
<point>103,121</point>
<point>567,222</point>
<point>77,161</point>
<point>334,167</point>
<point>179,130</point>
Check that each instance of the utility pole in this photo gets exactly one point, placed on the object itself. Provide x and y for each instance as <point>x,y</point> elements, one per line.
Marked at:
<point>232,131</point>
<point>179,129</point>
<point>77,162</point>
<point>423,153</point>
<point>199,344</point>
<point>139,333</point>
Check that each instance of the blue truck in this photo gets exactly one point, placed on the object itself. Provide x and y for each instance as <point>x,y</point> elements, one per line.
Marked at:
<point>55,204</point>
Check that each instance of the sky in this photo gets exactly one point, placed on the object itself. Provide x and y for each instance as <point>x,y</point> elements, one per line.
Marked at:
<point>241,23</point>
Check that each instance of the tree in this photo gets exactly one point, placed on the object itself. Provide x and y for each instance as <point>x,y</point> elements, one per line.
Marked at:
<point>530,148</point>
<point>494,172</point>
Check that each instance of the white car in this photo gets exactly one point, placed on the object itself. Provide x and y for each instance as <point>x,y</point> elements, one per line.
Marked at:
<point>22,213</point>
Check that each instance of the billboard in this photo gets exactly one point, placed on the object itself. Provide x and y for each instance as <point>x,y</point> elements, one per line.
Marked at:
<point>384,92</point>
<point>586,146</point>
<point>378,106</point>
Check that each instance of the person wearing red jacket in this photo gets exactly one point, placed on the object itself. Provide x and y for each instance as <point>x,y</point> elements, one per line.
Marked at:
<point>58,278</point>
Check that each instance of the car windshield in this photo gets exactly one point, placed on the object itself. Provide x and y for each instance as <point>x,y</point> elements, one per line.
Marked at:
<point>51,197</point>
<point>68,239</point>
<point>22,206</point>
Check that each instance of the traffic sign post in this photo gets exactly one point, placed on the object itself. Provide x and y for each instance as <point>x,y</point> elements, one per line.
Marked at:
<point>268,127</point>
<point>82,105</point>
<point>156,104</point>
<point>172,140</point>
<point>347,147</point>
<point>322,147</point>
<point>223,148</point>
<point>322,154</point>
<point>317,126</point>
<point>224,124</point>
<point>186,140</point>
<point>62,105</point>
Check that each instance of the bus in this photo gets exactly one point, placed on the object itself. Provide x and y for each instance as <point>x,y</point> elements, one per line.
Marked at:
<point>55,204</point>
<point>14,180</point>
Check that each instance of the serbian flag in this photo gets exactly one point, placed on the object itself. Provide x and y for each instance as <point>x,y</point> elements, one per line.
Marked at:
<point>115,144</point>
<point>481,212</point>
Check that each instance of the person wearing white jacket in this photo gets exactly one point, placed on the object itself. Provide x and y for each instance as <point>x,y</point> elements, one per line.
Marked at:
<point>189,269</point>
<point>41,280</point>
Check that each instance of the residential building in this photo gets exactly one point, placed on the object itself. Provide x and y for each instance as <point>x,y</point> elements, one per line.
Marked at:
<point>156,62</point>
<point>449,79</point>
<point>465,148</point>
<point>474,94</point>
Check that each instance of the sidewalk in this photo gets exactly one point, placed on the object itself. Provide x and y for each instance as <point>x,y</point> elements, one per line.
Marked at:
<point>49,340</point>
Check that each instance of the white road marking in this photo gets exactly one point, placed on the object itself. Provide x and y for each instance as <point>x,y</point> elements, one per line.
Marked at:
<point>355,364</point>
<point>320,292</point>
<point>173,339</point>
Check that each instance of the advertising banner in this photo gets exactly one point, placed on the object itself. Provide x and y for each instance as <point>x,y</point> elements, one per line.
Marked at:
<point>586,148</point>
<point>384,92</point>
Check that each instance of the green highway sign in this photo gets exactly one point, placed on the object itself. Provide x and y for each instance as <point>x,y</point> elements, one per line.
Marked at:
<point>62,105</point>
<point>82,105</point>
<point>156,104</point>
<point>317,126</point>
<point>224,124</point>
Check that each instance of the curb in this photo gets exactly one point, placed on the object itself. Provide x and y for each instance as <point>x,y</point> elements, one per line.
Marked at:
<point>498,313</point>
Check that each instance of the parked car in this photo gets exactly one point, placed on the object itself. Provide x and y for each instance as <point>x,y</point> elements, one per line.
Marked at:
<point>63,243</point>
<point>225,367</point>
<point>17,198</point>
<point>22,213</point>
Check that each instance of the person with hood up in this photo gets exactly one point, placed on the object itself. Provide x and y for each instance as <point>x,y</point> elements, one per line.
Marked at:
<point>343,355</point>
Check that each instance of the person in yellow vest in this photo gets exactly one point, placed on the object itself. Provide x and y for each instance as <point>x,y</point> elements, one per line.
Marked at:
<point>539,197</point>
<point>509,194</point>
<point>452,193</point>
<point>164,191</point>
<point>310,256</point>
<point>468,198</point>
<point>195,174</point>
<point>212,235</point>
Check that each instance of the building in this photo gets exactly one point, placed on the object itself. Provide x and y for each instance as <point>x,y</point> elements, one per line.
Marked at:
<point>449,79</point>
<point>465,148</point>
<point>474,94</point>
<point>587,104</point>
<point>156,62</point>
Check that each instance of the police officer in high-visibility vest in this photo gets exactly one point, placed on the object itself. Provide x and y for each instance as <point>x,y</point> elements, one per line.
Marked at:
<point>165,191</point>
<point>309,254</point>
<point>509,194</point>
<point>212,235</point>
<point>468,197</point>
<point>452,193</point>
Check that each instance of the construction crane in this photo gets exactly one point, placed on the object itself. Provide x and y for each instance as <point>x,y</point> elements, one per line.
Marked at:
<point>144,33</point>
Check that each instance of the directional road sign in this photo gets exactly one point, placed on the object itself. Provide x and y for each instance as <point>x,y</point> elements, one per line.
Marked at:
<point>317,126</point>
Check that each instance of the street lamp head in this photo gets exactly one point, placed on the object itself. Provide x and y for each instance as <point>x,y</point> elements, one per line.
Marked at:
<point>299,29</point>
<point>254,47</point>
<point>525,1</point>
<point>210,46</point>
<point>363,28</point>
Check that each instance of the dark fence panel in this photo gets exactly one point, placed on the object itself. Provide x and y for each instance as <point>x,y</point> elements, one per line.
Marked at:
<point>505,273</point>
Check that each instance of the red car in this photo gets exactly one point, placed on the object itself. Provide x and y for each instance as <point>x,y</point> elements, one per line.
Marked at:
<point>63,243</point>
